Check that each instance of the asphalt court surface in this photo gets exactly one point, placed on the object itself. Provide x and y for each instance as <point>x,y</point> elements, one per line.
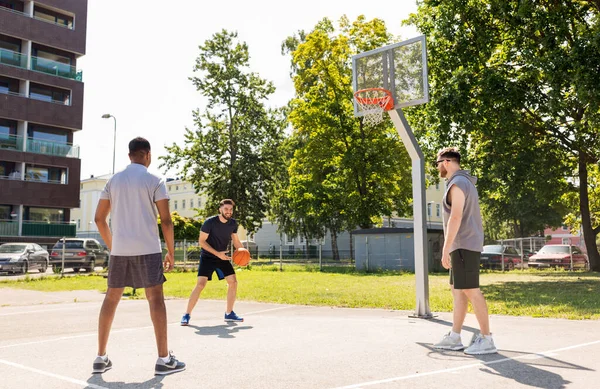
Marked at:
<point>287,346</point>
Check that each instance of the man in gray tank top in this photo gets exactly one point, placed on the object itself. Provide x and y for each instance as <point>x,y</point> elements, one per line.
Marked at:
<point>463,243</point>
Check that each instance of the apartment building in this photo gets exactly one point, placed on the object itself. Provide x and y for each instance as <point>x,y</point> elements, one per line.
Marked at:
<point>184,199</point>
<point>41,108</point>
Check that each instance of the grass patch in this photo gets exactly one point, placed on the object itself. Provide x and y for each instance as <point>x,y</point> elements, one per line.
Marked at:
<point>556,294</point>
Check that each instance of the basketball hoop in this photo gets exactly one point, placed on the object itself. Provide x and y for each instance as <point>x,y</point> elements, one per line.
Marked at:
<point>372,102</point>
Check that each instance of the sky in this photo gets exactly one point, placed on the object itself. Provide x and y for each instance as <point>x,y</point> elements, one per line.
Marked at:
<point>140,54</point>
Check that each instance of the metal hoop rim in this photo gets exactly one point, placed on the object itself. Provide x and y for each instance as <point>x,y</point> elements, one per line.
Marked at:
<point>385,102</point>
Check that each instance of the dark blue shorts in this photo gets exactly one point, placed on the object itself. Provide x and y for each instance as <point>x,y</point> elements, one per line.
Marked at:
<point>208,266</point>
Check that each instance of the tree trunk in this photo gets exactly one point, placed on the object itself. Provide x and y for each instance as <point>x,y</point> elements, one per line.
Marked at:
<point>334,246</point>
<point>307,243</point>
<point>586,223</point>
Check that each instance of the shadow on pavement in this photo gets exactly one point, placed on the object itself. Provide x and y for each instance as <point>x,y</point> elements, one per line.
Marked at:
<point>97,380</point>
<point>222,331</point>
<point>525,370</point>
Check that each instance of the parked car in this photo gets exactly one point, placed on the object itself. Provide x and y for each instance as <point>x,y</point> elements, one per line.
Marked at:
<point>22,257</point>
<point>80,253</point>
<point>491,257</point>
<point>559,256</point>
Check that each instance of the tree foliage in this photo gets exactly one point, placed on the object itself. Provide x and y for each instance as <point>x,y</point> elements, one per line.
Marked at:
<point>234,150</point>
<point>342,174</point>
<point>515,83</point>
<point>184,228</point>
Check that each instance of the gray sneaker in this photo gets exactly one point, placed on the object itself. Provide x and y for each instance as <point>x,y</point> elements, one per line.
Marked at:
<point>448,343</point>
<point>101,365</point>
<point>482,345</point>
<point>164,368</point>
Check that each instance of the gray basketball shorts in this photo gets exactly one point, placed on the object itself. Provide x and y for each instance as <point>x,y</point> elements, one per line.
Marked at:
<point>464,273</point>
<point>137,271</point>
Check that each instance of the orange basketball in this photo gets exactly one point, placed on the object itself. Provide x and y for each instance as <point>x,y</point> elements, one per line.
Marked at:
<point>241,257</point>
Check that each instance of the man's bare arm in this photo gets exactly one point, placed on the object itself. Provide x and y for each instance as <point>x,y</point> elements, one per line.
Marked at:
<point>102,212</point>
<point>166,225</point>
<point>457,198</point>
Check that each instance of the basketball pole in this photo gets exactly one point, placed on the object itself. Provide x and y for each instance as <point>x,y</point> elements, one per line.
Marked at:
<point>419,227</point>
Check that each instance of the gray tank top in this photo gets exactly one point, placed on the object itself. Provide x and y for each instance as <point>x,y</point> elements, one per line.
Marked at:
<point>470,233</point>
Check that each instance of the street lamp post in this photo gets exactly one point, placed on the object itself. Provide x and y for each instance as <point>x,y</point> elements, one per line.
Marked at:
<point>106,116</point>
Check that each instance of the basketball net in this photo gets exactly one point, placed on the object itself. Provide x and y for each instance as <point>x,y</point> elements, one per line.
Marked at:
<point>372,103</point>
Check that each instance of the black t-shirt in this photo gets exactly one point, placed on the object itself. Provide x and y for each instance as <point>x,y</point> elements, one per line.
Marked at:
<point>219,234</point>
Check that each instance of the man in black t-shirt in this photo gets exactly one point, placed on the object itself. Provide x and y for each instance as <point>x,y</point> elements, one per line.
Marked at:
<point>215,235</point>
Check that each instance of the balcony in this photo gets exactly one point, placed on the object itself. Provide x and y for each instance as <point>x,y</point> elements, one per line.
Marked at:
<point>37,146</point>
<point>12,58</point>
<point>33,228</point>
<point>55,68</point>
<point>11,142</point>
<point>52,148</point>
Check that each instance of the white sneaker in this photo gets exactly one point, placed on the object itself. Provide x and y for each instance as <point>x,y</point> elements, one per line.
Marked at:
<point>449,343</point>
<point>482,345</point>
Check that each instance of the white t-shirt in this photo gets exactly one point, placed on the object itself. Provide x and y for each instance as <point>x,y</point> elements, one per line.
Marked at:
<point>132,194</point>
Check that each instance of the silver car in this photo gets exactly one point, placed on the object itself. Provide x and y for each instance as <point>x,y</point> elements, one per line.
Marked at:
<point>22,257</point>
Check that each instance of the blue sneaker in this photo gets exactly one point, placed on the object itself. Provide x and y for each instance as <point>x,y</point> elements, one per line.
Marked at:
<point>232,317</point>
<point>185,320</point>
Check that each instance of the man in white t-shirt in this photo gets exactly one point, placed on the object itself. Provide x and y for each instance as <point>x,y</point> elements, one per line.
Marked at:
<point>132,198</point>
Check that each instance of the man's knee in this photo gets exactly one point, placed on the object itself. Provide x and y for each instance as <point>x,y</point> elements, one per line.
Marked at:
<point>201,283</point>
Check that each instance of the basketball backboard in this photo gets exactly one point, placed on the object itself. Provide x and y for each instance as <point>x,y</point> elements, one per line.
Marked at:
<point>400,68</point>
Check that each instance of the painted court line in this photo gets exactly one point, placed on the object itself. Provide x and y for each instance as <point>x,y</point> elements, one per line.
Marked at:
<point>57,376</point>
<point>454,369</point>
<point>113,331</point>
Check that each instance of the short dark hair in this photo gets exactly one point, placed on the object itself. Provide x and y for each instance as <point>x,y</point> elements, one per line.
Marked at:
<point>449,153</point>
<point>139,146</point>
<point>226,202</point>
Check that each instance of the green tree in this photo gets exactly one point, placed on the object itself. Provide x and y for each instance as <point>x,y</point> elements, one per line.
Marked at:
<point>573,219</point>
<point>183,227</point>
<point>344,174</point>
<point>234,150</point>
<point>521,76</point>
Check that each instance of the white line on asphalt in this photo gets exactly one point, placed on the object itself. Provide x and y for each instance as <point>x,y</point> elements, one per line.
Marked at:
<point>57,376</point>
<point>429,373</point>
<point>112,332</point>
<point>88,304</point>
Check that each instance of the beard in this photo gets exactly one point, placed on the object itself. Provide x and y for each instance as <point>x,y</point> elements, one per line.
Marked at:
<point>443,172</point>
<point>225,216</point>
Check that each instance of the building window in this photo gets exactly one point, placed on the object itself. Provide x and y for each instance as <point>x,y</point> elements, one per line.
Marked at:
<point>191,203</point>
<point>175,204</point>
<point>176,187</point>
<point>428,209</point>
<point>52,17</point>
<point>184,187</point>
<point>182,204</point>
<point>565,228</point>
<point>437,186</point>
<point>47,215</point>
<point>289,240</point>
<point>437,210</point>
<point>78,223</point>
<point>49,94</point>
<point>566,240</point>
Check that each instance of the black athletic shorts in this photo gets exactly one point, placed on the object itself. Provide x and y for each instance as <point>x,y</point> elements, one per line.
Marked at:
<point>208,266</point>
<point>464,273</point>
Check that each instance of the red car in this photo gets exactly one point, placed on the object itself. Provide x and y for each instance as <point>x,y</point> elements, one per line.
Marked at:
<point>559,256</point>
